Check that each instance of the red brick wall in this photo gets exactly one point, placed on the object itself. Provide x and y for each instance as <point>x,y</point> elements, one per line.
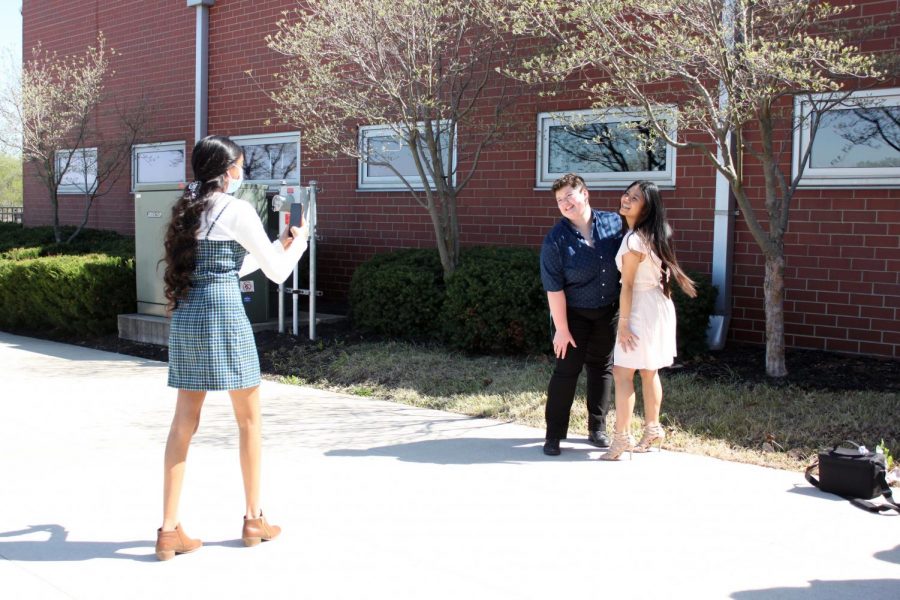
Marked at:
<point>154,44</point>
<point>842,251</point>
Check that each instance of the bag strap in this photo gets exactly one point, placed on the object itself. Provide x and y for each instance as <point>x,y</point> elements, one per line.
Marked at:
<point>857,502</point>
<point>886,493</point>
<point>809,475</point>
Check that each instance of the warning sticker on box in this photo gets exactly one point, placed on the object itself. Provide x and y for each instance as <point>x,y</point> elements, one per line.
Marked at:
<point>247,286</point>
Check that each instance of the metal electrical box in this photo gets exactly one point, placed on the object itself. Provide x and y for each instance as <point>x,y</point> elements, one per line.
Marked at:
<point>257,292</point>
<point>152,213</point>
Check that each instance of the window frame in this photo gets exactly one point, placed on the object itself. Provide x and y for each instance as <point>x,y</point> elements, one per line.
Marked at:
<point>393,183</point>
<point>840,177</point>
<point>138,148</point>
<point>271,138</point>
<point>609,180</point>
<point>65,188</point>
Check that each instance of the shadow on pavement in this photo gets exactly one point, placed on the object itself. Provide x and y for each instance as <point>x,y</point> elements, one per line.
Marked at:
<point>808,490</point>
<point>59,549</point>
<point>892,556</point>
<point>467,451</point>
<point>825,590</point>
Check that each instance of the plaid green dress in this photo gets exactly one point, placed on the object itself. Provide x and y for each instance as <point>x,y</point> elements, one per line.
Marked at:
<point>211,345</point>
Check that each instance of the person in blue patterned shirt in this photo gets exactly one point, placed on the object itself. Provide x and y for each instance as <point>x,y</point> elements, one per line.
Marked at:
<point>579,274</point>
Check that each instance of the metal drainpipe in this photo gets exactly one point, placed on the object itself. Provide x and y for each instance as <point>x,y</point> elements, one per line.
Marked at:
<point>723,227</point>
<point>201,67</point>
<point>723,251</point>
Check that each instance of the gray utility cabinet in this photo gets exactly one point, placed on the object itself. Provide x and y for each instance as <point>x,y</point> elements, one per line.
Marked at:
<point>153,211</point>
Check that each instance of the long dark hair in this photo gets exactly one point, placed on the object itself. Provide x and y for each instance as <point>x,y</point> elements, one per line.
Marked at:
<point>655,231</point>
<point>211,158</point>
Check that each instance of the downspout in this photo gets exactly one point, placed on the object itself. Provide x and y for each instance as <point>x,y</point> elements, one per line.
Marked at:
<point>201,67</point>
<point>722,260</point>
<point>723,222</point>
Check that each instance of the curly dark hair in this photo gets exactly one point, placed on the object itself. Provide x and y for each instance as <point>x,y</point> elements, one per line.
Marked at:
<point>210,159</point>
<point>654,228</point>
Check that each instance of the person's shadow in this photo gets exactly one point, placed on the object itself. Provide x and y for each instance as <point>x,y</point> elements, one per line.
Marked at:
<point>59,548</point>
<point>470,450</point>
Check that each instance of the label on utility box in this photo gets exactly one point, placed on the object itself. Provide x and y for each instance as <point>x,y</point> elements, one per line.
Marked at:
<point>154,214</point>
<point>247,287</point>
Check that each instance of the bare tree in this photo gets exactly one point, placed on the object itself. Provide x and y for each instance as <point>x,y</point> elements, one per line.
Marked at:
<point>423,69</point>
<point>51,114</point>
<point>733,67</point>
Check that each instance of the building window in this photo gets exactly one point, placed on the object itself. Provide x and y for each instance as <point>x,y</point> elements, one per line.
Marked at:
<point>272,158</point>
<point>389,161</point>
<point>609,149</point>
<point>857,143</point>
<point>154,164</point>
<point>79,170</point>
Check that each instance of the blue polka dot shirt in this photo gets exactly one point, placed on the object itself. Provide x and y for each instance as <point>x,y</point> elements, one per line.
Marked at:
<point>587,275</point>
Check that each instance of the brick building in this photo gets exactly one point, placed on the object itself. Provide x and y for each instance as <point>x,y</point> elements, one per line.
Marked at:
<point>842,246</point>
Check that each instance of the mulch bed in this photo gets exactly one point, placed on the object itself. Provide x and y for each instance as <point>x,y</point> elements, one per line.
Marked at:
<point>807,369</point>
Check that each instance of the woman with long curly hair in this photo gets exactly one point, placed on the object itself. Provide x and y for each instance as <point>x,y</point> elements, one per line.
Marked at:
<point>214,239</point>
<point>645,340</point>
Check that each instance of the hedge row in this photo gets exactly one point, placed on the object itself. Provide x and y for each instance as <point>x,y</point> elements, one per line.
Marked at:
<point>77,288</point>
<point>494,302</point>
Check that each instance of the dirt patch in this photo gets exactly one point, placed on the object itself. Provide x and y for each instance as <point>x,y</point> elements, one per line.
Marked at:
<point>807,369</point>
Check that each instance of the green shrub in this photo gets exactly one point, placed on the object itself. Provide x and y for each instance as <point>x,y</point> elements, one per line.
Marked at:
<point>693,315</point>
<point>399,294</point>
<point>18,243</point>
<point>75,288</point>
<point>70,294</point>
<point>495,302</point>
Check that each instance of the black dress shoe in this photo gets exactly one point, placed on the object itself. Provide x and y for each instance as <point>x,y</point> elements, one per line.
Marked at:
<point>551,447</point>
<point>599,439</point>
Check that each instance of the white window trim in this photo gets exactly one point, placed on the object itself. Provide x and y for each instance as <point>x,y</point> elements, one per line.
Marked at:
<point>545,120</point>
<point>156,146</point>
<point>271,138</point>
<point>75,189</point>
<point>393,183</point>
<point>838,177</point>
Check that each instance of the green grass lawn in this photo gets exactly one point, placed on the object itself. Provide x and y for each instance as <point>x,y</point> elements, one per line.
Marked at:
<point>760,424</point>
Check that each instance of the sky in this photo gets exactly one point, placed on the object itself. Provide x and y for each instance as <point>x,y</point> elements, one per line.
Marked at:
<point>11,26</point>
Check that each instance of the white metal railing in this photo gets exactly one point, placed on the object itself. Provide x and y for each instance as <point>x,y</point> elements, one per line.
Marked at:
<point>10,214</point>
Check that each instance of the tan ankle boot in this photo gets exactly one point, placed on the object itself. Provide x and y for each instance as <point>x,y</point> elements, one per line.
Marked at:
<point>258,530</point>
<point>170,543</point>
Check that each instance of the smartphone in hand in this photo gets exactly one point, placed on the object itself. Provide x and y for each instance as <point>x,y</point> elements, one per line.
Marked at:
<point>298,215</point>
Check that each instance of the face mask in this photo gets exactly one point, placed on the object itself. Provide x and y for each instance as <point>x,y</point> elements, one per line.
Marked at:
<point>234,184</point>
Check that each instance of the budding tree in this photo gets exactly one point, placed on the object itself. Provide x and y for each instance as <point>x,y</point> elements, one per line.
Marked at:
<point>423,69</point>
<point>732,68</point>
<point>50,115</point>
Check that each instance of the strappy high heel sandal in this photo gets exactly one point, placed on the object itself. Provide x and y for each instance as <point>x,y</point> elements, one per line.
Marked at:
<point>622,442</point>
<point>653,434</point>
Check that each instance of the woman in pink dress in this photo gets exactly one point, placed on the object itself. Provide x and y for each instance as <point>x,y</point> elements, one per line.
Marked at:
<point>645,340</point>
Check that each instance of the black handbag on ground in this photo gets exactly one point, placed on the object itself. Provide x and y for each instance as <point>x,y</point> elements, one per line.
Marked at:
<point>854,474</point>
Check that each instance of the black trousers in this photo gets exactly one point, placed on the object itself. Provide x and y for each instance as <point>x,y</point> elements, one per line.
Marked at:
<point>594,331</point>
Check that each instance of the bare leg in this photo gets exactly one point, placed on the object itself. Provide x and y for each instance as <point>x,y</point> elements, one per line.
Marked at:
<point>651,388</point>
<point>246,410</point>
<point>652,392</point>
<point>624,378</point>
<point>184,426</point>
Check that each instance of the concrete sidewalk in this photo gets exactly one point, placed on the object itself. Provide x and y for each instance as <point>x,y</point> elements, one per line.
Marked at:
<point>380,500</point>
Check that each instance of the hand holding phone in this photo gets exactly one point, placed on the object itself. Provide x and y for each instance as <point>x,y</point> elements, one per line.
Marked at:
<point>297,217</point>
<point>298,224</point>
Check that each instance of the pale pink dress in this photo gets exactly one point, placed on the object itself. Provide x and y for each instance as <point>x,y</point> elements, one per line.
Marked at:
<point>652,316</point>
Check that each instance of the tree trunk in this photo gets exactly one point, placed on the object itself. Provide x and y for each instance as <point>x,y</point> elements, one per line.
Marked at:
<point>773,288</point>
<point>445,246</point>
<point>54,200</point>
